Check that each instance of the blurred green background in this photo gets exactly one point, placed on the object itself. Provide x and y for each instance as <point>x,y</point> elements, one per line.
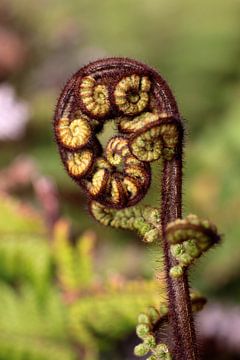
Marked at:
<point>196,48</point>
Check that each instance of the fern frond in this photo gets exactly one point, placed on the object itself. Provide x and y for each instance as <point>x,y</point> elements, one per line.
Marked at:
<point>30,329</point>
<point>74,263</point>
<point>25,259</point>
<point>18,218</point>
<point>112,313</point>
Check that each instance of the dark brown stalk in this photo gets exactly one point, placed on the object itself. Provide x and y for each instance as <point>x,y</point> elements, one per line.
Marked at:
<point>180,312</point>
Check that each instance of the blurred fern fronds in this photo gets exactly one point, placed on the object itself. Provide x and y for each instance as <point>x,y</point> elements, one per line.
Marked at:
<point>54,304</point>
<point>30,329</point>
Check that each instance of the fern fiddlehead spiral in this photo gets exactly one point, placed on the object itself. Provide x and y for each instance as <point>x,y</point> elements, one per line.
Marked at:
<point>116,178</point>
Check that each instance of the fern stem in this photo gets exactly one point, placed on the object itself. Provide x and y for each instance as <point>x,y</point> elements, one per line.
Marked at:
<point>180,312</point>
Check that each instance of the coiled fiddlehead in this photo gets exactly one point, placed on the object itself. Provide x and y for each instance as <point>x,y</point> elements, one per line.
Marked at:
<point>114,179</point>
<point>189,239</point>
<point>127,92</point>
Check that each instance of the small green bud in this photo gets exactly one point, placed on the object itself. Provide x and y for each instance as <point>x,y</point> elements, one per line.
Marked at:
<point>141,349</point>
<point>177,250</point>
<point>185,259</point>
<point>192,249</point>
<point>143,319</point>
<point>176,271</point>
<point>141,226</point>
<point>142,330</point>
<point>151,215</point>
<point>151,236</point>
<point>150,341</point>
<point>153,314</point>
<point>162,353</point>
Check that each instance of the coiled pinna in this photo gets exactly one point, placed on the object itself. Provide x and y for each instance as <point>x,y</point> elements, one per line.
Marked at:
<point>148,123</point>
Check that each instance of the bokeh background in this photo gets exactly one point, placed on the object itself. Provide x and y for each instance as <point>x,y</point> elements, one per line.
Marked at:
<point>69,288</point>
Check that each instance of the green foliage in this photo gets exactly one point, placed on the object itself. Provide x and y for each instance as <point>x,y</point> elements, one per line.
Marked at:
<point>121,303</point>
<point>25,255</point>
<point>74,262</point>
<point>25,258</point>
<point>50,298</point>
<point>19,219</point>
<point>30,329</point>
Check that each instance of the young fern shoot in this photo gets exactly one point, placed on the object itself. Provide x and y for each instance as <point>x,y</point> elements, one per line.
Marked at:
<point>117,178</point>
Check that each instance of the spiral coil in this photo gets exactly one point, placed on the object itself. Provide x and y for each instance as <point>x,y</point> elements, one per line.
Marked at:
<point>148,123</point>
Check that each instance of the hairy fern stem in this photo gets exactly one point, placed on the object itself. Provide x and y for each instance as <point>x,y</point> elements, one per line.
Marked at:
<point>180,311</point>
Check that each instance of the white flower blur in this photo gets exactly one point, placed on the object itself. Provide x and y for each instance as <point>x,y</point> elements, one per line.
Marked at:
<point>14,114</point>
